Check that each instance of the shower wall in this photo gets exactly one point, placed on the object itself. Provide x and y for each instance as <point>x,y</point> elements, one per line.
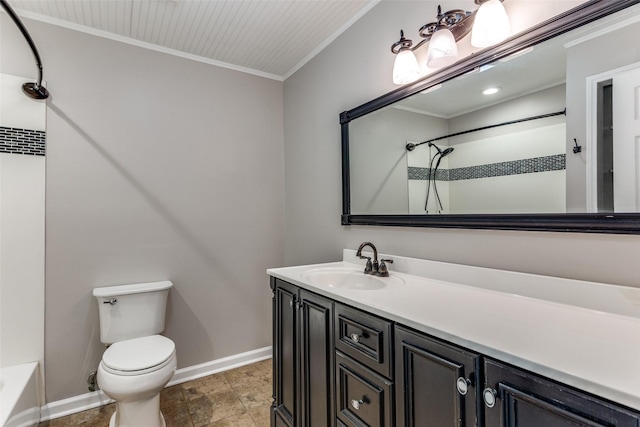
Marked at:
<point>22,186</point>
<point>509,169</point>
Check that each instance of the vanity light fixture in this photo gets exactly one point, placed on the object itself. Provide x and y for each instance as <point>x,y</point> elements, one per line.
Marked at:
<point>443,35</point>
<point>405,67</point>
<point>491,25</point>
<point>443,50</point>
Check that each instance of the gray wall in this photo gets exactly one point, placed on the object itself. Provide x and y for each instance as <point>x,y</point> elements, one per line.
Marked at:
<point>356,68</point>
<point>157,168</point>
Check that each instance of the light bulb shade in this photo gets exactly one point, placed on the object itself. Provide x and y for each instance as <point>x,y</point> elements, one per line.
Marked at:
<point>443,50</point>
<point>405,68</point>
<point>491,25</point>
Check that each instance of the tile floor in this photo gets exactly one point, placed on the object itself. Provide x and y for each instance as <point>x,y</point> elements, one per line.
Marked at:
<point>240,398</point>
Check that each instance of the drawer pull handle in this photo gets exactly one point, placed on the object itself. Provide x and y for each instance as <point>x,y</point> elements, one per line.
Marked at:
<point>356,403</point>
<point>489,397</point>
<point>462,384</point>
<point>355,338</point>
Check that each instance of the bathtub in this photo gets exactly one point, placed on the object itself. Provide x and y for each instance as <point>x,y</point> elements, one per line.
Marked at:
<point>18,396</point>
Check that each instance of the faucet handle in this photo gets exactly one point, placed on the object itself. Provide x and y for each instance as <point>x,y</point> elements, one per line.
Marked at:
<point>382,269</point>
<point>368,268</point>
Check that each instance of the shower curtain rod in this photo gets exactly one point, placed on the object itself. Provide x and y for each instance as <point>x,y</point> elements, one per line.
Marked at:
<point>411,146</point>
<point>33,90</point>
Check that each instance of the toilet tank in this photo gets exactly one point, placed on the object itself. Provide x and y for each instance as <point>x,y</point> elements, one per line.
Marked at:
<point>131,311</point>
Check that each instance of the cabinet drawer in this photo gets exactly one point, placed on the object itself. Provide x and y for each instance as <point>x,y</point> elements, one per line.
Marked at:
<point>364,337</point>
<point>363,398</point>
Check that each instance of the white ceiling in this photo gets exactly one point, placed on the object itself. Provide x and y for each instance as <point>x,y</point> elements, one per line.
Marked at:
<point>271,38</point>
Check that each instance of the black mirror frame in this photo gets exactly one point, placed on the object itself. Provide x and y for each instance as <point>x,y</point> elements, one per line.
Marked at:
<point>617,223</point>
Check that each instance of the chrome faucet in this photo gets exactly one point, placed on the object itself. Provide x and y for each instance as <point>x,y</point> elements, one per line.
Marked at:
<point>373,267</point>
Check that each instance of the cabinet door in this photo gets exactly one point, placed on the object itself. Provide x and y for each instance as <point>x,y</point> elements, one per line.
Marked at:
<point>285,352</point>
<point>516,398</point>
<point>435,382</point>
<point>317,356</point>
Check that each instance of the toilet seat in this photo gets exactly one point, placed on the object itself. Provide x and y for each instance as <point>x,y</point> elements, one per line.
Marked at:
<point>138,356</point>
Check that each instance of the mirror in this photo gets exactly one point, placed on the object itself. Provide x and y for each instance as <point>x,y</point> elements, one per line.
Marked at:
<point>539,154</point>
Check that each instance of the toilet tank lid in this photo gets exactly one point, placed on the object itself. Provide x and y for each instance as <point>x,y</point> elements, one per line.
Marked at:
<point>112,291</point>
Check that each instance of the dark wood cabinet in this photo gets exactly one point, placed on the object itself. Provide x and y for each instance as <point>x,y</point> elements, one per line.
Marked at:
<point>516,398</point>
<point>285,364</point>
<point>435,382</point>
<point>337,366</point>
<point>303,358</point>
<point>316,361</point>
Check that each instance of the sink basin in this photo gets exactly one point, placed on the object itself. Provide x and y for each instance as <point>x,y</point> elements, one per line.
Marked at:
<point>348,279</point>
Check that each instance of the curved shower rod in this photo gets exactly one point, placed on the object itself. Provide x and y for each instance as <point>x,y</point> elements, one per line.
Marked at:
<point>33,90</point>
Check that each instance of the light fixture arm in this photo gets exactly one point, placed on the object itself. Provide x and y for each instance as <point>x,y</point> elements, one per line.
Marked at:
<point>458,21</point>
<point>401,44</point>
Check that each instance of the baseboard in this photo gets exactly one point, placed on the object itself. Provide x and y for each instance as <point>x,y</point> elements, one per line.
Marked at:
<point>219,365</point>
<point>83,402</point>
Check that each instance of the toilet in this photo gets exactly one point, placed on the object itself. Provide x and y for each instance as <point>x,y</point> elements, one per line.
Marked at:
<point>138,362</point>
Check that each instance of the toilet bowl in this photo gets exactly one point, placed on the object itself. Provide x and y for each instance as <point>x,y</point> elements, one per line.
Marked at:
<point>138,362</point>
<point>133,373</point>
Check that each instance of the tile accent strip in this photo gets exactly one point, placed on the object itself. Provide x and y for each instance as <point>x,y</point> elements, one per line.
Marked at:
<point>423,174</point>
<point>515,167</point>
<point>22,141</point>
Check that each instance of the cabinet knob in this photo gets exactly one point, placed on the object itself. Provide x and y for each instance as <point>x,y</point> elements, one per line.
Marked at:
<point>355,338</point>
<point>462,384</point>
<point>356,403</point>
<point>489,397</point>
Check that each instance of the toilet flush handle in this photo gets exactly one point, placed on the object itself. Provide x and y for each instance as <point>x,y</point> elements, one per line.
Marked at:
<point>111,301</point>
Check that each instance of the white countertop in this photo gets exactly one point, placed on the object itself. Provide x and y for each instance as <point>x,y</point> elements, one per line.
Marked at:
<point>583,334</point>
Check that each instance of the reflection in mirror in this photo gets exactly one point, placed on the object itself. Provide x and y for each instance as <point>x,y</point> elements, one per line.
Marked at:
<point>518,149</point>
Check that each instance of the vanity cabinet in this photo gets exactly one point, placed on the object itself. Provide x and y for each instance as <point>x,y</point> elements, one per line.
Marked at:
<point>303,358</point>
<point>517,398</point>
<point>337,366</point>
<point>435,382</point>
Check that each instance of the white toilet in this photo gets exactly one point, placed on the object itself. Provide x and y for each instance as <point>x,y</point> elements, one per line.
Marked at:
<point>138,362</point>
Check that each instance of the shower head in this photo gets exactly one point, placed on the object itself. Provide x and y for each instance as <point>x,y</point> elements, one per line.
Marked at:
<point>446,151</point>
<point>442,153</point>
<point>32,90</point>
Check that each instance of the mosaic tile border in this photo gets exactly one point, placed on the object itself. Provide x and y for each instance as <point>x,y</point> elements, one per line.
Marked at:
<point>22,141</point>
<point>422,174</point>
<point>515,167</point>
